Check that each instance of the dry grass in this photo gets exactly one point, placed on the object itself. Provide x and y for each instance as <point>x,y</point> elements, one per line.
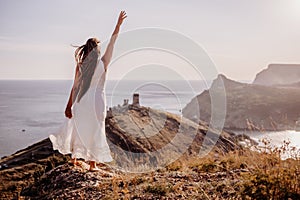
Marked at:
<point>266,175</point>
<point>272,177</point>
<point>246,173</point>
<point>240,174</point>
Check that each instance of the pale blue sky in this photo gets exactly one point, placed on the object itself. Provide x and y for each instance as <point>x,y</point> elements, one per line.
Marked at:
<point>241,37</point>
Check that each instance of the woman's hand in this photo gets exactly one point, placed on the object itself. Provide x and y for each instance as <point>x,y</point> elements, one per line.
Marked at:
<point>109,50</point>
<point>68,112</point>
<point>122,16</point>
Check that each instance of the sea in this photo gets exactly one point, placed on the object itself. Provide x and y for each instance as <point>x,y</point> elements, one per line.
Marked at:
<point>31,110</point>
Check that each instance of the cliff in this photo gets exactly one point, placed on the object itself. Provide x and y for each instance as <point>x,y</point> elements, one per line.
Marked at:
<point>251,106</point>
<point>278,74</point>
<point>130,130</point>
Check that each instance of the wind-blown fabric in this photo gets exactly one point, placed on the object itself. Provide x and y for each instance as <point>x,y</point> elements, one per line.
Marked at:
<point>83,135</point>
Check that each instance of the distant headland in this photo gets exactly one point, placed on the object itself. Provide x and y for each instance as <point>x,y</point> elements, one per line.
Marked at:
<point>269,104</point>
<point>279,74</point>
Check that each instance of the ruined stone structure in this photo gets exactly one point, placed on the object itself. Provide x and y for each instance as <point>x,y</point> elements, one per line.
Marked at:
<point>136,99</point>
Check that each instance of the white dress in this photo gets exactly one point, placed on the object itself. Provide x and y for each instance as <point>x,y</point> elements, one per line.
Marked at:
<point>83,136</point>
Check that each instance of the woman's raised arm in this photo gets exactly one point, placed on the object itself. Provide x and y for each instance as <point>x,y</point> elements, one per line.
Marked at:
<point>110,47</point>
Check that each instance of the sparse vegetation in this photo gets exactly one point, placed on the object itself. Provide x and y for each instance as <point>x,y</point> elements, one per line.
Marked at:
<point>272,177</point>
<point>158,189</point>
<point>246,173</point>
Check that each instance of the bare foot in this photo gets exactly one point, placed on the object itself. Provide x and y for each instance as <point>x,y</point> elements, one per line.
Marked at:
<point>79,163</point>
<point>94,169</point>
<point>73,161</point>
<point>93,164</point>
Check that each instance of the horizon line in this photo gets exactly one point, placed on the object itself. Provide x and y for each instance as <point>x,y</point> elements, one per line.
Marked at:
<point>53,79</point>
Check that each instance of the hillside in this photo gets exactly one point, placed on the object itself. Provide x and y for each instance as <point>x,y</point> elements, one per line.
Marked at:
<point>136,135</point>
<point>251,106</point>
<point>278,74</point>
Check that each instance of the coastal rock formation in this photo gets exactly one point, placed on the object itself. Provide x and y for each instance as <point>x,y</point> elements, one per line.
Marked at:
<point>250,106</point>
<point>137,136</point>
<point>279,74</point>
<point>156,137</point>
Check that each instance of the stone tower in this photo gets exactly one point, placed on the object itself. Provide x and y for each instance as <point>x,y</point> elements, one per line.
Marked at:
<point>136,99</point>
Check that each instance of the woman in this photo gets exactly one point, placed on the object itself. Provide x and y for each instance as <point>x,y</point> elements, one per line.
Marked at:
<point>83,132</point>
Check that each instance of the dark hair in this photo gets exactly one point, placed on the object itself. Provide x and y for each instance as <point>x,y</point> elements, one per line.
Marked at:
<point>86,57</point>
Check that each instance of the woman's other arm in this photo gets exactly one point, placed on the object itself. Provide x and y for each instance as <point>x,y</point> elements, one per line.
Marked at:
<point>109,50</point>
<point>73,94</point>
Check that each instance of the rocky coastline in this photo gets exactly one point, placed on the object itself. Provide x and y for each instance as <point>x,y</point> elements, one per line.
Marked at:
<point>250,107</point>
<point>127,127</point>
<point>230,168</point>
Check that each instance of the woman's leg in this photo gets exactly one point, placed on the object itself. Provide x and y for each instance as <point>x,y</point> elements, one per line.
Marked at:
<point>93,166</point>
<point>74,161</point>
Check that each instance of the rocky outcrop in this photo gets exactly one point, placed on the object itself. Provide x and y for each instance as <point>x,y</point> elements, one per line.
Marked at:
<point>68,182</point>
<point>151,136</point>
<point>71,182</point>
<point>26,166</point>
<point>250,106</point>
<point>279,74</point>
<point>137,136</point>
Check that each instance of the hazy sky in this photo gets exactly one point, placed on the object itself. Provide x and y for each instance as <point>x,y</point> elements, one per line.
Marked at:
<point>241,37</point>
